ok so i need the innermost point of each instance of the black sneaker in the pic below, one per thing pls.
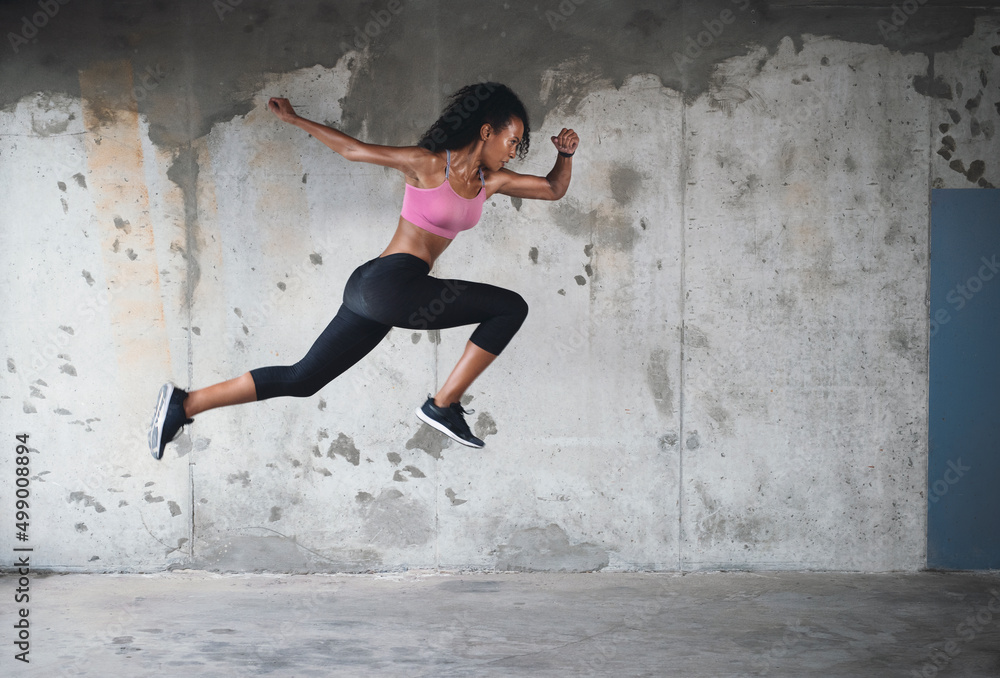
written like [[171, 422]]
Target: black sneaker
[[168, 419], [449, 420]]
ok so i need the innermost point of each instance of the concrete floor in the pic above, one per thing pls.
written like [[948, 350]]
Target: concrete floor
[[437, 624]]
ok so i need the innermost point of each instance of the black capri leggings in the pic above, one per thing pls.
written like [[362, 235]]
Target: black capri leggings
[[394, 291]]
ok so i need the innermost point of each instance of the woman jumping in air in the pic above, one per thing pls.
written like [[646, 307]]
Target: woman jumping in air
[[458, 163]]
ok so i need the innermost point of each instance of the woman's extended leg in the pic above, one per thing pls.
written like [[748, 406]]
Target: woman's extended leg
[[346, 340]]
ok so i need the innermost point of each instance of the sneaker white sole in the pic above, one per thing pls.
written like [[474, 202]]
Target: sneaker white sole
[[159, 417], [444, 429]]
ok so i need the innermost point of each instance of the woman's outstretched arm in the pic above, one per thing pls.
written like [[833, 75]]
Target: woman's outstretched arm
[[407, 159], [550, 187]]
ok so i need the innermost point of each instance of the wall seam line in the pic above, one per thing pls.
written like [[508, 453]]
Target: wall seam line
[[927, 305], [189, 297], [190, 216], [683, 308]]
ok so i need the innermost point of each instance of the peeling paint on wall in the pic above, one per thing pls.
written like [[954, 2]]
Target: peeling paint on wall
[[548, 549], [344, 447], [429, 440]]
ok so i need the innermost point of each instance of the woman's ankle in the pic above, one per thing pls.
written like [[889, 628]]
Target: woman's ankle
[[438, 400]]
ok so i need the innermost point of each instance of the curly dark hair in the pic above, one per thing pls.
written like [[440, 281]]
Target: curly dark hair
[[469, 109]]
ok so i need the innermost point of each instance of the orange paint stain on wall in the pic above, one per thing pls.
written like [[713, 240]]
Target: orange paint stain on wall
[[117, 183]]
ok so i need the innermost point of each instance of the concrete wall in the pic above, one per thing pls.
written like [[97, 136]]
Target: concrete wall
[[725, 362]]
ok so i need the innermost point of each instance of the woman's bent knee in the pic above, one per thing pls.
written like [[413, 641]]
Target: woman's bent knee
[[519, 307]]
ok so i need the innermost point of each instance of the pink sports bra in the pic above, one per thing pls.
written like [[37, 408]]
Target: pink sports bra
[[440, 210]]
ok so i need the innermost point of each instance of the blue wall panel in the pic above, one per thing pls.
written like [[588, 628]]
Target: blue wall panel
[[963, 482]]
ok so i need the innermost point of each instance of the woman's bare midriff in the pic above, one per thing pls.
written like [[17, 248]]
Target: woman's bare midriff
[[412, 239]]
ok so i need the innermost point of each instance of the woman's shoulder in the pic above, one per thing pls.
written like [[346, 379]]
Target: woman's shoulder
[[427, 167]]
